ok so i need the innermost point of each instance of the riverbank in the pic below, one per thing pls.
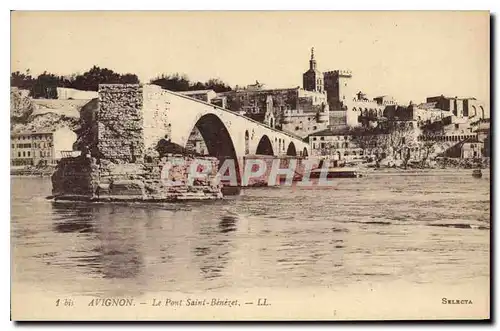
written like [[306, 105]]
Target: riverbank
[[420, 170]]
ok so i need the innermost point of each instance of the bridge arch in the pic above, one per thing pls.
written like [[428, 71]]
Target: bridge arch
[[264, 147], [291, 151], [217, 139]]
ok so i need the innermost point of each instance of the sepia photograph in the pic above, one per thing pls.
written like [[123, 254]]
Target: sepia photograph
[[250, 165]]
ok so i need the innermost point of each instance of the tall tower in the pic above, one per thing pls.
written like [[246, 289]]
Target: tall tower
[[337, 87], [312, 79]]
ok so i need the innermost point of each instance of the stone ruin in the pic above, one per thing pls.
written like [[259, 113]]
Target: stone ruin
[[118, 162]]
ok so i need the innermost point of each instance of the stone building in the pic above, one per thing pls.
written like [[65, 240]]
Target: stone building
[[345, 107], [385, 100], [267, 117], [470, 148], [209, 96], [357, 111], [360, 110], [335, 144], [203, 95], [294, 110], [41, 148], [461, 107], [64, 93]]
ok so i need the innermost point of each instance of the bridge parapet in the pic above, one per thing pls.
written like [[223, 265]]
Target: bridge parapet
[[133, 119]]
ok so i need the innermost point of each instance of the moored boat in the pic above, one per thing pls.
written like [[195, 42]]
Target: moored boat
[[340, 172], [476, 173]]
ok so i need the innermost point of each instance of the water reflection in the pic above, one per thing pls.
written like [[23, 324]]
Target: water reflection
[[118, 241], [213, 246], [266, 238], [227, 224], [73, 217], [132, 242]]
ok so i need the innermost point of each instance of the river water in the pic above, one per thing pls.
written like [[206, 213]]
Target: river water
[[423, 228]]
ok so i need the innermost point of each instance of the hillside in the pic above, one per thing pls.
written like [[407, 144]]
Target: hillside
[[43, 114]]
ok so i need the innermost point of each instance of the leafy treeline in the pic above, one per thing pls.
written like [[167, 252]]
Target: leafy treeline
[[45, 84], [181, 82]]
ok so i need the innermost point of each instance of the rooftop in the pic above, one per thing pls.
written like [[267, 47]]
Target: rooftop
[[452, 97], [196, 92], [332, 132], [427, 105], [25, 133]]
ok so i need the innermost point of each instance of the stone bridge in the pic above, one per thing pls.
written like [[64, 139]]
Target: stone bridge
[[151, 114]]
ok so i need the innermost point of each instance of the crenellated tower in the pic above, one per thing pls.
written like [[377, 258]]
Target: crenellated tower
[[337, 87]]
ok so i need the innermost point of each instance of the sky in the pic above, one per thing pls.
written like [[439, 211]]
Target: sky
[[408, 55]]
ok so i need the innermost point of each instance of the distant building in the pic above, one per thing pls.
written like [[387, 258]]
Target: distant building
[[470, 148], [362, 111], [335, 144], [385, 100], [203, 95], [294, 110], [453, 130], [64, 93], [266, 117], [482, 129], [40, 148], [461, 107], [209, 96]]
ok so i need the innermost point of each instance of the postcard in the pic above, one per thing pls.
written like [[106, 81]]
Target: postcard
[[250, 166]]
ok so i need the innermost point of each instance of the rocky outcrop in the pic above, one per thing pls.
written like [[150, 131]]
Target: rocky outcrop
[[21, 106], [29, 114], [45, 122]]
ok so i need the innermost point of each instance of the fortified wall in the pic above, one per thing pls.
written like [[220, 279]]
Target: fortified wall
[[119, 160]]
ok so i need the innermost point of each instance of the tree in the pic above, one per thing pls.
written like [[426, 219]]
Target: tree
[[90, 80], [428, 139], [399, 136], [21, 80], [45, 86], [175, 82], [328, 149], [217, 85], [180, 82], [365, 138]]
